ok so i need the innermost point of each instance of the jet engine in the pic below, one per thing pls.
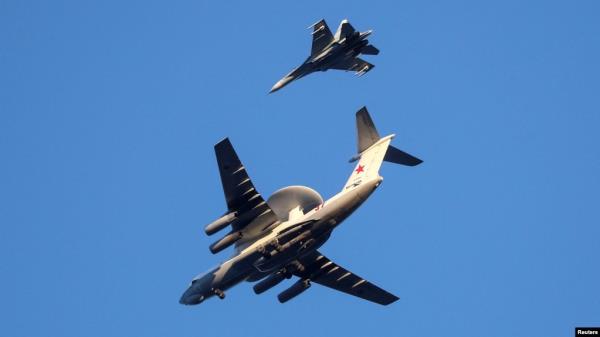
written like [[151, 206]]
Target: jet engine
[[225, 242], [293, 200], [293, 291], [269, 282], [220, 223]]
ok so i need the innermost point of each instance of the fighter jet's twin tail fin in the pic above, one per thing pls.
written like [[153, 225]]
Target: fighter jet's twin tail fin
[[373, 150], [344, 30]]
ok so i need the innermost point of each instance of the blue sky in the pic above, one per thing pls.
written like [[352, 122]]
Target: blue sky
[[109, 112]]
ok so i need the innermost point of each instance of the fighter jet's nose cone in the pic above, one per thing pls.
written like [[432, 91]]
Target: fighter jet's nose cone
[[277, 86], [282, 83]]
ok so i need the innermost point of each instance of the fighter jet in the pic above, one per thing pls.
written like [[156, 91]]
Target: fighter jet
[[333, 52], [279, 238]]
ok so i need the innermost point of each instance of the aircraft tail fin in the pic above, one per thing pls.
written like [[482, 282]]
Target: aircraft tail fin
[[373, 150], [344, 30], [366, 130]]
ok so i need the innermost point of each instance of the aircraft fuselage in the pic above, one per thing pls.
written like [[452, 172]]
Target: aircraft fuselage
[[338, 52], [281, 246]]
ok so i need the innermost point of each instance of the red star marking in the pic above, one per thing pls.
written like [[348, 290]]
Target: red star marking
[[360, 169]]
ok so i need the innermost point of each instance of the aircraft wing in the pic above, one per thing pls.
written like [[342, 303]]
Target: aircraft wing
[[321, 270], [322, 36], [354, 64], [240, 194]]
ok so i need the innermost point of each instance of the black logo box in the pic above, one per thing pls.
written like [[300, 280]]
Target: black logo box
[[587, 332]]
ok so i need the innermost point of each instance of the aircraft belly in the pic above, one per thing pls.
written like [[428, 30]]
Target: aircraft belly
[[234, 271], [257, 275], [276, 262]]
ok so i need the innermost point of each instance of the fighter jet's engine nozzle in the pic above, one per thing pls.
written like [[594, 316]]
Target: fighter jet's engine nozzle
[[269, 282], [220, 223], [225, 242], [293, 291]]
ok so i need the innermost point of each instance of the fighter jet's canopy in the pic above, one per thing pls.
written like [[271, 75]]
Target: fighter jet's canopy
[[288, 198]]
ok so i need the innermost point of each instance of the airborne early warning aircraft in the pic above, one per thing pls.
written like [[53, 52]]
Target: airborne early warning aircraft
[[333, 52], [278, 238]]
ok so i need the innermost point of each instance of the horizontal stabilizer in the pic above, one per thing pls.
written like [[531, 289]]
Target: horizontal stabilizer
[[394, 155], [369, 50]]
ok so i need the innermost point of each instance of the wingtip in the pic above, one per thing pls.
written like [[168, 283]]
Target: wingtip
[[396, 298], [316, 23], [389, 300], [222, 141]]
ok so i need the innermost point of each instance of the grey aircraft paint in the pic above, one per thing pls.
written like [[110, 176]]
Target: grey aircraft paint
[[278, 238], [339, 51]]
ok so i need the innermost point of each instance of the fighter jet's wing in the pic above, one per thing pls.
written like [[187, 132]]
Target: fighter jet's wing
[[355, 64], [322, 36], [240, 194], [321, 270]]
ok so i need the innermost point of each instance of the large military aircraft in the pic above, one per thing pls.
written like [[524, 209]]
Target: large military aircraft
[[333, 52], [278, 238]]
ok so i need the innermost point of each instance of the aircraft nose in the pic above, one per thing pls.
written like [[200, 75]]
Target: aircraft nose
[[281, 83], [183, 299], [191, 298], [277, 86]]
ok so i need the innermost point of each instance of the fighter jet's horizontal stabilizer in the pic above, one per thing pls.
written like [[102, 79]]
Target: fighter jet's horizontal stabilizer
[[368, 136], [370, 50]]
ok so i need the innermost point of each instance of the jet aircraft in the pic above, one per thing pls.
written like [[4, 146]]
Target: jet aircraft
[[279, 238], [333, 52]]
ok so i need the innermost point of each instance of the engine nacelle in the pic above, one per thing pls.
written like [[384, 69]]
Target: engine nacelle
[[293, 291], [220, 223], [225, 242], [268, 283]]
